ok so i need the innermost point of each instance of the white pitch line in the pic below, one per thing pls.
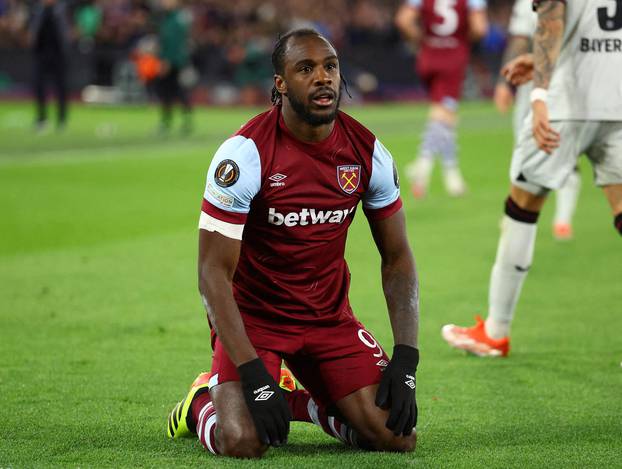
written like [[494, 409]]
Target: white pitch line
[[72, 156]]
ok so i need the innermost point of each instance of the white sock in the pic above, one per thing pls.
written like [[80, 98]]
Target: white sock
[[566, 199], [206, 428], [514, 256], [420, 170]]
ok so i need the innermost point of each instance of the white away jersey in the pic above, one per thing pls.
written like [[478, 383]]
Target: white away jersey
[[524, 20], [587, 81]]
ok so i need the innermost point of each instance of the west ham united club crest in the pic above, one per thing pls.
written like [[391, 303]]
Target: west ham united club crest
[[349, 177]]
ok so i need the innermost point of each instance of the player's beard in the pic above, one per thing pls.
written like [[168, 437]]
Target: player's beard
[[309, 116]]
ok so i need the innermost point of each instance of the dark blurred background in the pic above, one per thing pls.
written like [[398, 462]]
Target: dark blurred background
[[230, 41]]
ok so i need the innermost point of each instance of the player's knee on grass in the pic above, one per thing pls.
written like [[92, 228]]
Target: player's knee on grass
[[239, 441], [369, 422], [235, 432], [381, 438], [402, 444]]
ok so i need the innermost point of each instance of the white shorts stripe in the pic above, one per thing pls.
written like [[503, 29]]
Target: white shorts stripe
[[230, 230]]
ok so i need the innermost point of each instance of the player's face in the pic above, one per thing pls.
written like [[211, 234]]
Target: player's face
[[312, 78]]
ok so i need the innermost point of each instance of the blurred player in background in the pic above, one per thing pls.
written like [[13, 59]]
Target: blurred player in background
[[443, 30], [49, 36], [576, 108], [521, 28], [174, 53], [280, 197]]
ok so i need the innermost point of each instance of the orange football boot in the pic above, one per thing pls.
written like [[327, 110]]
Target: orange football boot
[[475, 340], [287, 381], [562, 231]]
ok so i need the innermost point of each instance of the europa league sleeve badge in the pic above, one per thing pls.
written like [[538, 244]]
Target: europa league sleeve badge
[[227, 173]]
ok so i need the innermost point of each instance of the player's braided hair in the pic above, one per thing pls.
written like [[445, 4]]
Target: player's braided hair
[[278, 58]]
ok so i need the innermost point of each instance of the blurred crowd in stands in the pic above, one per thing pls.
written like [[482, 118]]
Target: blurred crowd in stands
[[231, 42]]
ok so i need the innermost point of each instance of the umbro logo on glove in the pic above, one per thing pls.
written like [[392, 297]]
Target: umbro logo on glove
[[264, 395], [268, 407], [392, 395]]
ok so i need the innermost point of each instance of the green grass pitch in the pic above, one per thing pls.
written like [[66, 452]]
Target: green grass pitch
[[102, 329]]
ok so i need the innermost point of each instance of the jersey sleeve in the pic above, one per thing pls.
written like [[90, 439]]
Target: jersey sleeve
[[233, 180], [523, 21], [382, 198], [476, 4]]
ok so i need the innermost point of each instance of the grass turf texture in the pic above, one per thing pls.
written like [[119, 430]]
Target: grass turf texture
[[102, 329]]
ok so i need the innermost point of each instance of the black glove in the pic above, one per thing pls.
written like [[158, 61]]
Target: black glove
[[266, 403], [397, 390]]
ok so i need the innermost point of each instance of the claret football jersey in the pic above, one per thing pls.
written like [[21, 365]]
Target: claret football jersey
[[291, 203], [446, 24]]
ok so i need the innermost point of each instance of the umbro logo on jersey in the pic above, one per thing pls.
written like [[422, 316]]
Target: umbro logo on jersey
[[410, 382], [227, 173], [308, 216], [349, 177], [382, 363], [277, 180]]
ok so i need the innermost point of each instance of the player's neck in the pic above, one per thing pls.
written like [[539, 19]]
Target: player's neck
[[302, 130]]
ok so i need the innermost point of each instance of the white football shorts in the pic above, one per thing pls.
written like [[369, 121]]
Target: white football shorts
[[537, 172]]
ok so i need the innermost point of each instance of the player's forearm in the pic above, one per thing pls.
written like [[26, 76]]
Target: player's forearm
[[224, 315], [517, 45], [406, 22], [547, 40], [401, 290]]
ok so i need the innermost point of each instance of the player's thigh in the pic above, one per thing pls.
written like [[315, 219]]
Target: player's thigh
[[537, 172], [341, 367], [337, 360], [369, 421], [448, 87], [224, 370]]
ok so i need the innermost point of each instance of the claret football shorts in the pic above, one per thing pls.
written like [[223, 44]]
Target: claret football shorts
[[330, 361], [443, 79]]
